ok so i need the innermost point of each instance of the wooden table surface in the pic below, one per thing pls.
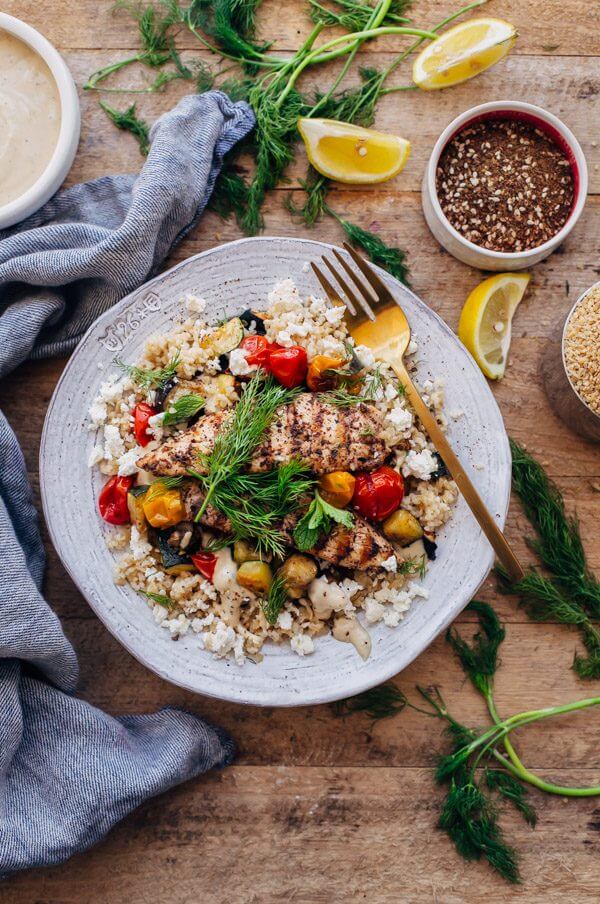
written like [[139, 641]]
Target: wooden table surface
[[317, 809]]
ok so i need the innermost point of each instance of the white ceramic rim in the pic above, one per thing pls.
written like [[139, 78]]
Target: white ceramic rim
[[68, 136], [510, 106], [383, 669], [595, 285]]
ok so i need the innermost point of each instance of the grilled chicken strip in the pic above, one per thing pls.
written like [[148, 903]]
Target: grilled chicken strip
[[326, 437], [361, 547]]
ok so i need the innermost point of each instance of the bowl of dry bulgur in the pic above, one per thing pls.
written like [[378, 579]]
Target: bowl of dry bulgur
[[571, 367]]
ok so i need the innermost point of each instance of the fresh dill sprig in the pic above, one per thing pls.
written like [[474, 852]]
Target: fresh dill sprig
[[183, 409], [253, 503], [558, 543], [129, 121], [342, 398], [512, 790], [353, 15], [389, 257], [572, 596], [378, 702], [275, 600], [230, 195], [151, 378]]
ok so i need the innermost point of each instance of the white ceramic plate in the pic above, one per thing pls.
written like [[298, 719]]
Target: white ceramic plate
[[231, 278]]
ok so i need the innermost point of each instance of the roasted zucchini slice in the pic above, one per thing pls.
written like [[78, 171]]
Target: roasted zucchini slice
[[135, 504], [227, 337]]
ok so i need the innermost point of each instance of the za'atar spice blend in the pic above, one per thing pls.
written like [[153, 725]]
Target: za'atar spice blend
[[505, 185]]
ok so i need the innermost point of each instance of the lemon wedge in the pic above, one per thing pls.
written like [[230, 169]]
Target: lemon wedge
[[486, 318], [348, 153], [462, 52]]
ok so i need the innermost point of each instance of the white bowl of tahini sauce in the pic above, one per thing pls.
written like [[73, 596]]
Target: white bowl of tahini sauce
[[39, 120]]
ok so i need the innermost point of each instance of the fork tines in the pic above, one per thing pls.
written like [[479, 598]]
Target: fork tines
[[370, 290]]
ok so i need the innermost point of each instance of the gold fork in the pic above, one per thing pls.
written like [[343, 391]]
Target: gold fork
[[376, 320]]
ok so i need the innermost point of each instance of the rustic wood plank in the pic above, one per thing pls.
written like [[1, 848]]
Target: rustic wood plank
[[571, 89], [535, 672], [312, 836], [545, 26]]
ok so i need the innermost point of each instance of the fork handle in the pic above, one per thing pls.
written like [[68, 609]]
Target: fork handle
[[497, 539]]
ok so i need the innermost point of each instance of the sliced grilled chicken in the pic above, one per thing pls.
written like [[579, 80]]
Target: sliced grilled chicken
[[326, 437], [362, 547]]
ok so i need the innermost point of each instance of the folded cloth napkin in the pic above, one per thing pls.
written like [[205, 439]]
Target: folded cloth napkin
[[68, 772]]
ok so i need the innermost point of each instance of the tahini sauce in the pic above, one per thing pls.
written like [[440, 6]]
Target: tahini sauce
[[29, 117]]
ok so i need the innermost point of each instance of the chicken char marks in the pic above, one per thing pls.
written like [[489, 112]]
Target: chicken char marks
[[361, 547], [326, 437]]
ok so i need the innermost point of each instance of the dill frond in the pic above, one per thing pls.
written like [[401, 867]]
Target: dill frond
[[558, 543], [509, 787], [275, 601], [129, 121], [147, 378], [380, 702], [480, 658], [389, 257]]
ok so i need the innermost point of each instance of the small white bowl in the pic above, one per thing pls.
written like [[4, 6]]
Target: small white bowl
[[451, 239], [68, 137]]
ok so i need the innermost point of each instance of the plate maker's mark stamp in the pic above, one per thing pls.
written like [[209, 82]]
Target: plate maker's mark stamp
[[117, 334]]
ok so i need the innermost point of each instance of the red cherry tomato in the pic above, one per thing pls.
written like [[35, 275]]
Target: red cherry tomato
[[379, 493], [141, 415], [289, 366], [205, 563], [258, 350], [112, 501]]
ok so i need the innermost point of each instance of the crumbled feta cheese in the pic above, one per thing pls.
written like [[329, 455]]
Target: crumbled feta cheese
[[455, 415], [113, 444], [98, 413], [335, 315], [412, 347], [391, 392], [392, 618], [111, 392], [127, 462], [390, 564], [194, 304], [139, 546], [302, 644], [199, 623], [401, 418], [221, 641], [365, 356], [284, 620], [419, 464], [374, 611], [96, 455], [415, 590], [177, 626], [238, 365], [479, 466], [154, 426]]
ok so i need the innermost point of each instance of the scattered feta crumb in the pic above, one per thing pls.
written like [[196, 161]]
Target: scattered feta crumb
[[113, 443], [139, 546], [127, 462], [390, 564], [96, 455], [401, 418], [365, 356], [479, 466], [284, 621], [419, 464], [412, 347], [455, 415], [194, 304], [98, 413], [238, 365], [302, 644]]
